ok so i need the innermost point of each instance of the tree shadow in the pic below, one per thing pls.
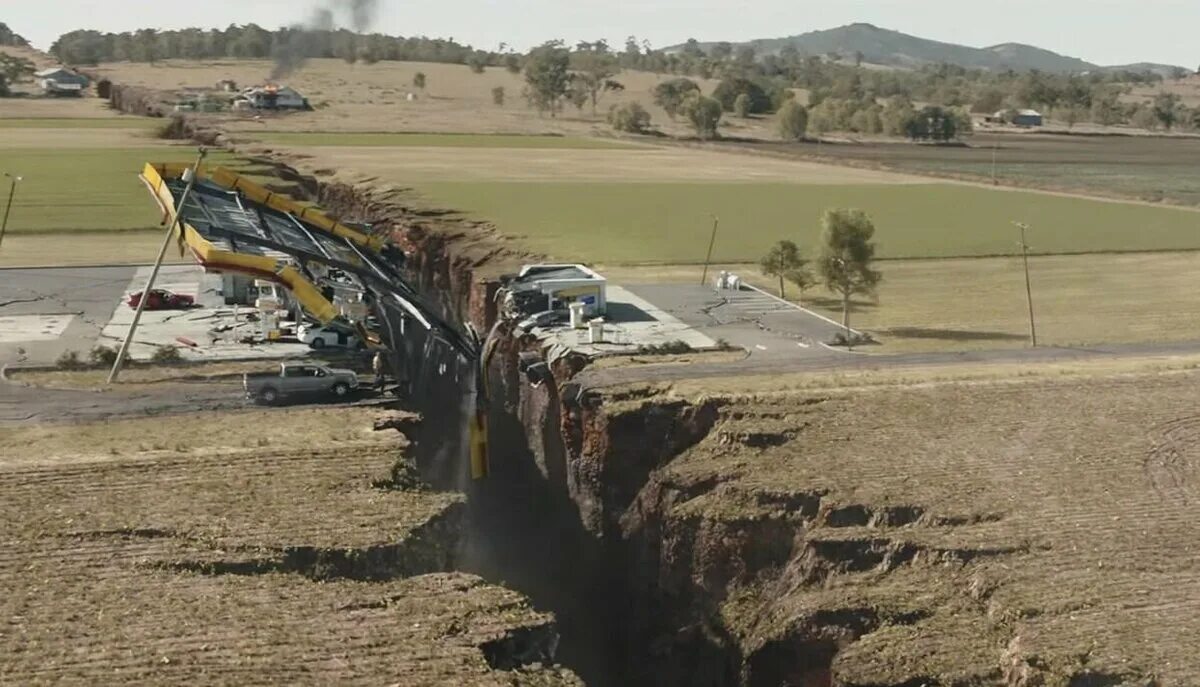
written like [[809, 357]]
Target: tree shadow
[[834, 303], [950, 334]]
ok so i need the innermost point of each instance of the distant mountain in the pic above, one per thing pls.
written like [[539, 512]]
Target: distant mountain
[[1020, 57], [896, 49]]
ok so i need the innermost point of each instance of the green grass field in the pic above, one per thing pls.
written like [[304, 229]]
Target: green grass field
[[671, 222], [439, 140], [88, 189], [81, 123]]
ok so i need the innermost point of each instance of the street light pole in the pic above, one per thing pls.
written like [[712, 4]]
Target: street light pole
[[711, 242], [190, 176], [12, 191], [1028, 288]]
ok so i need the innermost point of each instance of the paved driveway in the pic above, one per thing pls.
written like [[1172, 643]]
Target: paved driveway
[[756, 321]]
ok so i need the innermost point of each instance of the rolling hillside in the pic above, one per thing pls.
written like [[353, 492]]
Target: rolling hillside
[[893, 48]]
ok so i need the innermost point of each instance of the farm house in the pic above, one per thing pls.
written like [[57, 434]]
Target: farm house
[[275, 98], [61, 81]]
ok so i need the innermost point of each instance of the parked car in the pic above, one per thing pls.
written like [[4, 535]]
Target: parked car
[[299, 380], [319, 336], [161, 299]]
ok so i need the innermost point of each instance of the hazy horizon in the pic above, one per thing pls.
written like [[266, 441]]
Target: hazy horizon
[[1106, 33]]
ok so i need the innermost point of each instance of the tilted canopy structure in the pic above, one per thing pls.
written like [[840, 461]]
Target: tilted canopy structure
[[231, 224]]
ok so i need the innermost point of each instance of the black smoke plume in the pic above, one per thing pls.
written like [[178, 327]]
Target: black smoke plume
[[311, 38]]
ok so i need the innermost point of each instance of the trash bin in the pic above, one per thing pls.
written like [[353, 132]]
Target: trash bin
[[596, 330]]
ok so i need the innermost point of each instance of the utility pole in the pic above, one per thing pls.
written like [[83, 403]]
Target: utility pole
[[995, 145], [190, 176], [12, 191], [711, 242], [1028, 288]]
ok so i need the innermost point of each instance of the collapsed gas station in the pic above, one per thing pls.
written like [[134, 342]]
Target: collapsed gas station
[[232, 225]]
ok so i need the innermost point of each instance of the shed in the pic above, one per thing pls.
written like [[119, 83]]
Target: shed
[[61, 81]]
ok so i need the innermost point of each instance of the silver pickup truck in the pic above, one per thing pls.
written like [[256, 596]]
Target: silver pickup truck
[[295, 380]]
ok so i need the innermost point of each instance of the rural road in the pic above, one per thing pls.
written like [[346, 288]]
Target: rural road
[[22, 404]]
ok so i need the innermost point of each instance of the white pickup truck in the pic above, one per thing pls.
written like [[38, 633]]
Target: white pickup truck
[[296, 380]]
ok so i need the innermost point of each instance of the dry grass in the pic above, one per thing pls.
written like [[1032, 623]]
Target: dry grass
[[57, 108], [371, 98], [232, 547], [642, 163], [979, 303], [240, 432], [1048, 525], [138, 375], [922, 376]]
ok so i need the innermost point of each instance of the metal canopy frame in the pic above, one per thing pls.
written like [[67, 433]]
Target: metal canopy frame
[[220, 215]]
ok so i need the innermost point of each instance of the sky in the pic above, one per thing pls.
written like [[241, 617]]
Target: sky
[[1099, 31]]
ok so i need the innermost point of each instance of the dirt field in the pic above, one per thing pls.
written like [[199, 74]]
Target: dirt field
[[1137, 167], [260, 545], [961, 534]]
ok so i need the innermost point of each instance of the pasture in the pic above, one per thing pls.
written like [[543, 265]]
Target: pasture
[[67, 189], [670, 222]]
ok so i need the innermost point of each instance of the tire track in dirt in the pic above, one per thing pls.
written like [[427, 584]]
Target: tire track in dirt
[[1170, 464]]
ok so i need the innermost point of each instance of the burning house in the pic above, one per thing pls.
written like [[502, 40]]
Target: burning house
[[272, 97]]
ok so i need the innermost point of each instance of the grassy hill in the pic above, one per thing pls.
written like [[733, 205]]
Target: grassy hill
[[896, 49]]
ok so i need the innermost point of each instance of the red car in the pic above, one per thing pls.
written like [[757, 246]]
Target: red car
[[163, 300]]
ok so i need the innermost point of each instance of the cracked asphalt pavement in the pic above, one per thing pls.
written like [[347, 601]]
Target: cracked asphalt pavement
[[46, 311]]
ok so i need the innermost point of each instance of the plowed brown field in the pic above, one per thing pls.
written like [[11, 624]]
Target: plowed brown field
[[126, 560], [1039, 533]]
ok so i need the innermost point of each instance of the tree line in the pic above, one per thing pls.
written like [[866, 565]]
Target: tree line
[[1072, 98], [843, 95], [251, 41]]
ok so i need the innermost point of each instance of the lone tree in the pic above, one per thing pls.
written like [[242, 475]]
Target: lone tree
[[793, 121], [547, 76], [594, 68], [671, 95], [498, 96], [704, 114], [847, 253], [419, 81], [786, 263]]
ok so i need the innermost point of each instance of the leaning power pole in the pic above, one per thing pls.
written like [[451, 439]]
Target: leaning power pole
[[1028, 288], [190, 176], [12, 191]]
